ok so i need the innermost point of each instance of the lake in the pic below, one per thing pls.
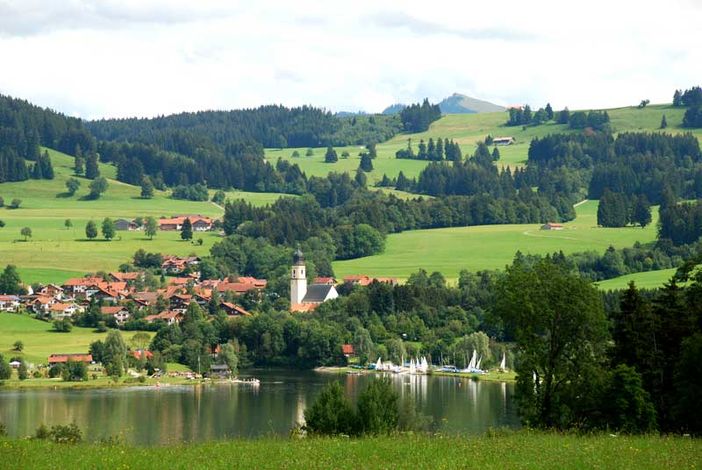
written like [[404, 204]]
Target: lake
[[150, 416]]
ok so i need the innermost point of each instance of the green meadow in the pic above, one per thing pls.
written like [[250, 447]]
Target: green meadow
[[55, 253], [40, 340], [450, 250], [522, 450], [645, 280], [468, 130]]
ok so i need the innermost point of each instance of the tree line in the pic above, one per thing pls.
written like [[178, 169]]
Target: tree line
[[432, 150]]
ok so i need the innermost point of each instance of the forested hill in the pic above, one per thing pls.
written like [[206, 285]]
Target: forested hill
[[271, 126], [24, 127]]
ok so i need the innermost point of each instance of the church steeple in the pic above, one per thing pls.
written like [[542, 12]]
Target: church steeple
[[298, 278]]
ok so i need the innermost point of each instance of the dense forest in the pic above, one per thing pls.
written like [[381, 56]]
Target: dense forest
[[270, 126]]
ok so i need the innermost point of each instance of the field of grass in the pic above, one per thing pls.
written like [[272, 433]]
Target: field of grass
[[645, 280], [449, 250], [40, 340], [468, 130], [55, 253], [524, 450]]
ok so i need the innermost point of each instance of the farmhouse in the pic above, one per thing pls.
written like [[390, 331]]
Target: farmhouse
[[177, 265], [363, 280], [552, 226], [503, 140], [168, 316], [304, 298], [124, 224], [63, 358], [60, 311], [199, 223]]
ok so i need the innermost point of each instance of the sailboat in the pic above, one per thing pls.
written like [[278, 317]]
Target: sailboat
[[412, 367], [379, 364], [503, 363]]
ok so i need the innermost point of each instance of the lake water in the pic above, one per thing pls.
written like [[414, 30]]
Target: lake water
[[150, 416]]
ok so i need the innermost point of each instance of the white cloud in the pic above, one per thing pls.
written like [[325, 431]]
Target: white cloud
[[123, 58]]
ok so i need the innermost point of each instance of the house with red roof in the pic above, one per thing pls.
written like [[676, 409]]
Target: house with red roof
[[168, 316], [63, 358], [118, 312], [233, 310], [9, 303], [60, 311]]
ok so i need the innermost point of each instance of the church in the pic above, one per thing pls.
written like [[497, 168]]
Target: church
[[304, 298]]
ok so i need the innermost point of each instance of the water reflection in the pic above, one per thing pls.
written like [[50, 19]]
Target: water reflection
[[150, 416]]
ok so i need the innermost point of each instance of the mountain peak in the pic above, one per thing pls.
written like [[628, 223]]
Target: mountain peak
[[457, 103]]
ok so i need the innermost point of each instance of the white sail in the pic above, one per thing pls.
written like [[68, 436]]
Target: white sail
[[412, 367], [477, 364], [425, 365], [379, 364], [471, 364], [503, 363]]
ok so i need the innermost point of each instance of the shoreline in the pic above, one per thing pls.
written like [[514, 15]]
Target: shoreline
[[508, 377]]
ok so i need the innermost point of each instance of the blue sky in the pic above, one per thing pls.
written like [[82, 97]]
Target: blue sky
[[146, 58]]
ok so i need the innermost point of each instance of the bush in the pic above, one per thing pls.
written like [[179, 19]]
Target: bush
[[74, 372], [378, 411], [63, 326], [65, 434], [331, 413], [42, 432], [3, 430], [56, 371], [22, 372]]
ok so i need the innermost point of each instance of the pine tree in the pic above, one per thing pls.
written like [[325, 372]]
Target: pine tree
[[91, 167], [664, 122], [495, 154], [677, 98], [549, 111], [330, 156], [147, 188], [79, 163], [642, 211], [186, 232], [366, 163]]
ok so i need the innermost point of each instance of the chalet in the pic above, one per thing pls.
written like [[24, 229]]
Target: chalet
[[9, 303], [503, 141], [180, 302], [145, 298], [118, 312], [63, 358], [168, 316], [552, 226], [347, 350], [176, 265], [41, 304], [241, 285], [59, 311], [233, 309]]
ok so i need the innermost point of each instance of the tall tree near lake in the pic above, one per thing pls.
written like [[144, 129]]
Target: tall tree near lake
[[91, 167], [114, 356], [559, 324], [186, 232], [91, 230], [150, 227], [108, 229]]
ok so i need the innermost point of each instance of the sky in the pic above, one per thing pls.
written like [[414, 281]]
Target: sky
[[121, 58]]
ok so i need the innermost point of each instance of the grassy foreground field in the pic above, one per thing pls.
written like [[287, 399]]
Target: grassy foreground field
[[519, 450], [449, 250], [468, 130], [55, 253]]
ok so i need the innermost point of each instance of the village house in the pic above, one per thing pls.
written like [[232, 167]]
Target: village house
[[176, 265], [64, 358], [51, 290], [119, 313], [78, 286], [61, 311], [127, 277], [9, 303], [347, 350], [41, 304], [304, 298]]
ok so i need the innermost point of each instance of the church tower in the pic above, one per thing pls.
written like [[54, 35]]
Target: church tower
[[298, 279]]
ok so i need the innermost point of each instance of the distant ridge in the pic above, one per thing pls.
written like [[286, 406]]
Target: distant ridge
[[456, 104]]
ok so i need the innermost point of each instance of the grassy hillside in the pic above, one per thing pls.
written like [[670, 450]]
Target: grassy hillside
[[449, 250], [55, 253], [468, 130], [522, 450], [40, 340]]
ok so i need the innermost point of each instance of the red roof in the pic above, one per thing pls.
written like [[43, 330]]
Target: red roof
[[139, 352], [230, 307], [347, 349], [60, 358], [111, 310], [324, 280]]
